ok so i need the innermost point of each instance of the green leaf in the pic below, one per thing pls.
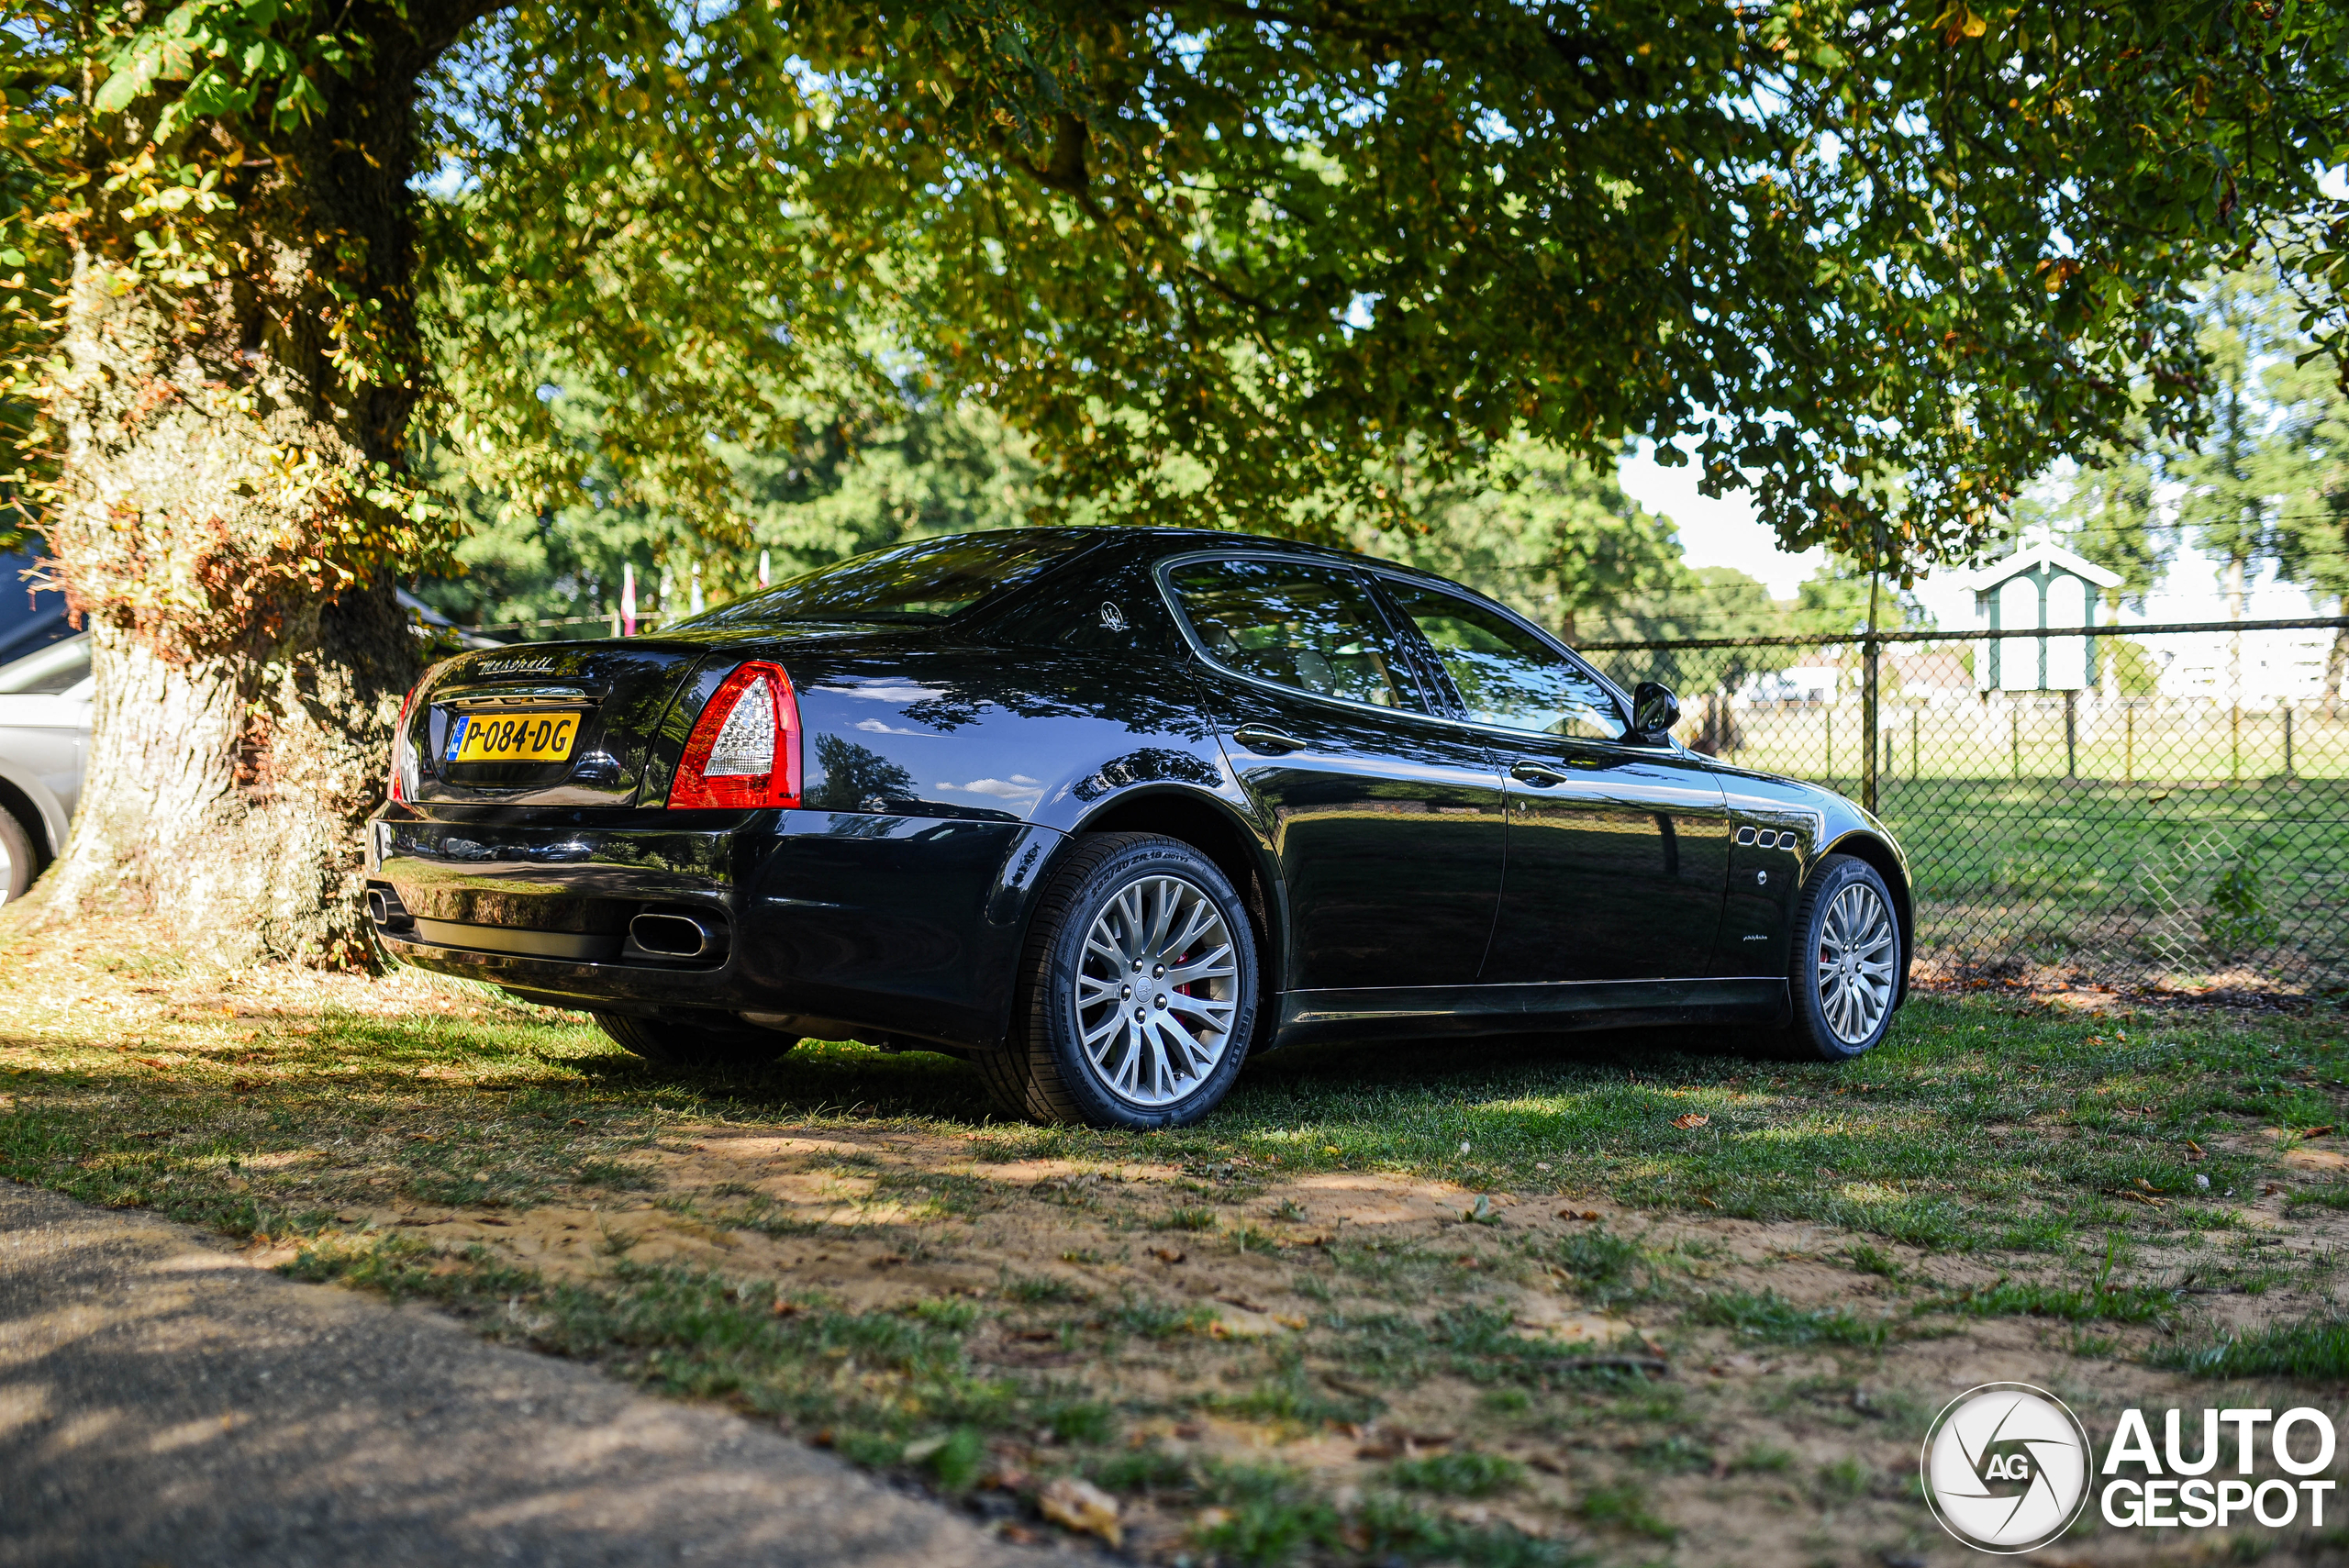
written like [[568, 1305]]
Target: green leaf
[[300, 101]]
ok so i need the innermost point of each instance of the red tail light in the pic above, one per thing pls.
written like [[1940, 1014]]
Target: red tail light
[[402, 753], [744, 749]]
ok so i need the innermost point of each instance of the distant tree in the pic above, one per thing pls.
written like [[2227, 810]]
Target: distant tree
[[1550, 535], [2312, 439], [2106, 511], [857, 476]]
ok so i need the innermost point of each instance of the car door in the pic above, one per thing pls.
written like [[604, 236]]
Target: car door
[[1386, 820], [1618, 854]]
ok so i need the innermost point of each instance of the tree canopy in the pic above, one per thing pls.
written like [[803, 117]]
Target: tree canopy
[[269, 266], [1234, 265]]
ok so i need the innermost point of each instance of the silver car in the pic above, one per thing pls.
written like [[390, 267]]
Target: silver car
[[44, 746]]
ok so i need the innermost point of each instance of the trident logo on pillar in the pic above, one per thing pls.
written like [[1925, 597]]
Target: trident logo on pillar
[[2007, 1467]]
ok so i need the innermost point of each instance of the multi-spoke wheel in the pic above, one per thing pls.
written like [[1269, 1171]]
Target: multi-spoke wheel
[[1848, 960], [1139, 989], [1156, 990]]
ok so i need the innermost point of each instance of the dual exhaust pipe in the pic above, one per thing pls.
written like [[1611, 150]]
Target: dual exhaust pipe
[[674, 934]]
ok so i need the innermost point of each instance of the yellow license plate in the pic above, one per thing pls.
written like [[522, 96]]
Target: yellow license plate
[[513, 737]]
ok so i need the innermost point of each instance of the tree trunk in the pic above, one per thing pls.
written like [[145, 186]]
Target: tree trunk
[[2334, 662], [2234, 638], [226, 441]]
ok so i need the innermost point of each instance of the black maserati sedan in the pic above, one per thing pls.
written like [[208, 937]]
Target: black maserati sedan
[[1106, 811]]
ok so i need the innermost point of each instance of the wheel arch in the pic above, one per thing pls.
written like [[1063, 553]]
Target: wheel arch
[[38, 810], [1886, 862], [1211, 826]]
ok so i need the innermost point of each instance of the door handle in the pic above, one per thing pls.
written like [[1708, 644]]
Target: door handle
[[1266, 740], [1541, 775]]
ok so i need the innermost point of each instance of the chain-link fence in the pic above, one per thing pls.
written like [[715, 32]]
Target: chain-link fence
[[2122, 803]]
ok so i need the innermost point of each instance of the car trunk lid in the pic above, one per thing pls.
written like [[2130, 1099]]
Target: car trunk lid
[[562, 724]]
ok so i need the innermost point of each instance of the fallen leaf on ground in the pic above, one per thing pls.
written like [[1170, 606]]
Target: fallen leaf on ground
[[1082, 1507], [1167, 1255], [1691, 1120], [1578, 1214], [1239, 1323]]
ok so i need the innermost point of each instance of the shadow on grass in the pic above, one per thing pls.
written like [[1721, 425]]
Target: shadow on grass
[[821, 1078]]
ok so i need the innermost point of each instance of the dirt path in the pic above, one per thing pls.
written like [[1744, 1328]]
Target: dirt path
[[162, 1400]]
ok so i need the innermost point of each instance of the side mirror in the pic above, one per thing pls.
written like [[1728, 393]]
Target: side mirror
[[1654, 710]]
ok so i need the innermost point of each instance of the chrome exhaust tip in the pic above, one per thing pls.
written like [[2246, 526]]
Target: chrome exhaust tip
[[673, 935], [379, 908]]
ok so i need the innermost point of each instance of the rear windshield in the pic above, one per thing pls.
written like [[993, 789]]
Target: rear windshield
[[917, 583]]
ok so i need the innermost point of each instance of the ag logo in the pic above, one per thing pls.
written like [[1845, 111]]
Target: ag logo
[[2006, 1467]]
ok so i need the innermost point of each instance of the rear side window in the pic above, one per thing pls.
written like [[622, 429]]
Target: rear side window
[[1297, 624], [1508, 677], [918, 583]]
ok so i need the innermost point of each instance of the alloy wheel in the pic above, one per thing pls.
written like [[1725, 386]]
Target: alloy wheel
[[1157, 990], [1859, 946]]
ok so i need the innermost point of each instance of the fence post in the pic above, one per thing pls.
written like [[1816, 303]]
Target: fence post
[[2287, 740], [1912, 744], [2071, 736], [1830, 744], [2129, 740], [2014, 735], [2234, 744], [1868, 725]]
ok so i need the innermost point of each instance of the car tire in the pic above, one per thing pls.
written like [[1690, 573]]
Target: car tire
[[1847, 963], [667, 1043], [23, 861], [1129, 910]]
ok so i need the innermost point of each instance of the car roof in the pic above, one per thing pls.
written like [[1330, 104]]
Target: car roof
[[1171, 540]]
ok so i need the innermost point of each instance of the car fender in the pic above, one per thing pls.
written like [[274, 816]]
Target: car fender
[[21, 790], [1867, 839], [1215, 822]]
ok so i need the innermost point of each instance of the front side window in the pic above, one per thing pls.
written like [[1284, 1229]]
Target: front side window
[[918, 583], [1508, 677], [1296, 623]]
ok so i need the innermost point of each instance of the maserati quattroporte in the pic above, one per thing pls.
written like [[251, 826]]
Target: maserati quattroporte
[[1106, 811]]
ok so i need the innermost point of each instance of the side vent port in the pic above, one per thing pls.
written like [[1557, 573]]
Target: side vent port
[[676, 936], [383, 907]]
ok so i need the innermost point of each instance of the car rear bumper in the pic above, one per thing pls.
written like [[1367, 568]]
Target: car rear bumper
[[904, 927]]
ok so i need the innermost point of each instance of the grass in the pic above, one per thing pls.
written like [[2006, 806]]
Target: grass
[[1767, 1317], [2048, 1160], [1467, 1473], [2312, 1351]]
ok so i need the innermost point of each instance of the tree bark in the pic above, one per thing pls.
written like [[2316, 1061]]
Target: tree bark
[[220, 437]]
